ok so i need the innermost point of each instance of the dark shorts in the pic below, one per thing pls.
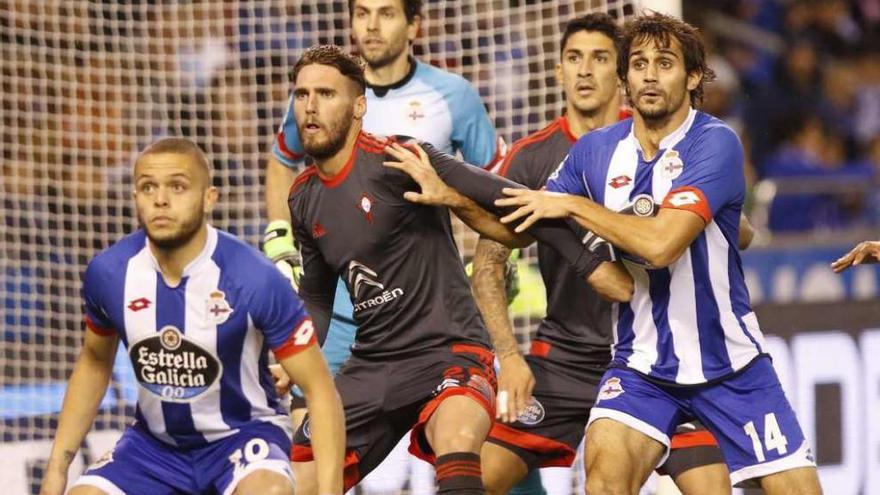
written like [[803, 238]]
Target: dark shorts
[[550, 431], [385, 399]]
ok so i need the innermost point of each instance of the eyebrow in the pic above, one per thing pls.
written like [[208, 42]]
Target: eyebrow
[[175, 175], [662, 51]]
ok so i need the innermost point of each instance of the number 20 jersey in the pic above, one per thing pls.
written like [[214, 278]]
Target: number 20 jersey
[[199, 350]]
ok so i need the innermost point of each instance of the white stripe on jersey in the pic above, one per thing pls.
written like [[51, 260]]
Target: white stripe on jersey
[[141, 280], [682, 317], [206, 412], [624, 162], [645, 340], [717, 247]]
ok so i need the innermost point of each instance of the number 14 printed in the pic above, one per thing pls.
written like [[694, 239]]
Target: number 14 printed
[[773, 437]]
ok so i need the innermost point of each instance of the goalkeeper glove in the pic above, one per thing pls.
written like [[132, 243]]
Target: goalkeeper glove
[[278, 246], [511, 275]]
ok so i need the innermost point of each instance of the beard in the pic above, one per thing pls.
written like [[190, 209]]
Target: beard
[[384, 57], [337, 132], [187, 229], [655, 115]]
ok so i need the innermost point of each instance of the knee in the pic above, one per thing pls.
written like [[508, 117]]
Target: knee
[[304, 479], [461, 438]]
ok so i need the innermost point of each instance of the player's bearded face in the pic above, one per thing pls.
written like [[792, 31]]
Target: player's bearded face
[[588, 72], [170, 200], [657, 82], [332, 129], [380, 31]]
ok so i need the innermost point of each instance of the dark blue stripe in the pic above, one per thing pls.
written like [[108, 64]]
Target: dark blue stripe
[[713, 351], [739, 293], [623, 347], [234, 406], [658, 286], [171, 310]]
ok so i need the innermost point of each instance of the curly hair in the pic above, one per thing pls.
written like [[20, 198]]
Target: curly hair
[[662, 29], [411, 8]]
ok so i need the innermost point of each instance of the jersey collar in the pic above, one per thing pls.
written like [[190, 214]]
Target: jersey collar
[[381, 91], [673, 137], [193, 266], [566, 129]]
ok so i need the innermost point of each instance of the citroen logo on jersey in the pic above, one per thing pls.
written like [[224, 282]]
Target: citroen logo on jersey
[[360, 278], [359, 275]]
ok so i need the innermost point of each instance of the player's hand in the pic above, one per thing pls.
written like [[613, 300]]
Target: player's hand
[[418, 166], [865, 252], [282, 381], [278, 246], [54, 481], [515, 385], [532, 206]]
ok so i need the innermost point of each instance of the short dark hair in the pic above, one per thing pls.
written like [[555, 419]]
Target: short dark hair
[[596, 22], [181, 146], [661, 28], [350, 66], [411, 9]]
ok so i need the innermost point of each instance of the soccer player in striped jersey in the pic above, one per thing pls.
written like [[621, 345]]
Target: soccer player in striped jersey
[[688, 345], [198, 310], [545, 424]]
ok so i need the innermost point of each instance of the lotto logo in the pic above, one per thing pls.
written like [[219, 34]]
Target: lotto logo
[[684, 198]]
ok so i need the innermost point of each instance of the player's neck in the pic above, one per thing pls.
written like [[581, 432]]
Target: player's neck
[[650, 132], [389, 74], [329, 167], [172, 261], [580, 123]]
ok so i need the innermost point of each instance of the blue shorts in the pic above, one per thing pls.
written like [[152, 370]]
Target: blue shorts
[[748, 414], [139, 463]]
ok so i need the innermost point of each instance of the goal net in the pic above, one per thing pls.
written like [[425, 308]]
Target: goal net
[[85, 84]]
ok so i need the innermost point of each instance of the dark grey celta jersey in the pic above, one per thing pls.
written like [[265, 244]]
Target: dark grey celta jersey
[[578, 322], [398, 259]]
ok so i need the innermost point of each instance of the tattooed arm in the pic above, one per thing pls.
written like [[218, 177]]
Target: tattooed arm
[[515, 381]]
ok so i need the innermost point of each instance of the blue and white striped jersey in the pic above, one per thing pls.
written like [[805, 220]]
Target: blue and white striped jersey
[[690, 322], [199, 350], [429, 104]]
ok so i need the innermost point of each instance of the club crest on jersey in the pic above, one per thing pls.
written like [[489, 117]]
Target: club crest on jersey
[[318, 231], [366, 205], [139, 304], [671, 165], [105, 459], [218, 308], [610, 389], [172, 367], [415, 111], [532, 414]]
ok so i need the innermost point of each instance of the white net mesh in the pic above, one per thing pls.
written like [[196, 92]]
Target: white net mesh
[[85, 84]]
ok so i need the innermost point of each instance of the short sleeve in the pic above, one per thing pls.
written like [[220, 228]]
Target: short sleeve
[[279, 313], [711, 174], [568, 177], [517, 168], [287, 147], [94, 283], [472, 131]]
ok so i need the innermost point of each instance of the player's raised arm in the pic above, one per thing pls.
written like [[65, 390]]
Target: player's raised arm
[[484, 188], [85, 389]]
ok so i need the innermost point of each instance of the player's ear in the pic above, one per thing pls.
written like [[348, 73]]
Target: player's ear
[[413, 28], [693, 80], [360, 106], [558, 73], [211, 196]]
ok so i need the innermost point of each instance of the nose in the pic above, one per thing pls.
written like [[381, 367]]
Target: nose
[[373, 22], [161, 196], [312, 103], [651, 72], [586, 67]]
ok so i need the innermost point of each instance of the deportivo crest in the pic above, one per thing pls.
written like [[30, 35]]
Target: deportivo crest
[[532, 414], [218, 308], [172, 367], [610, 389], [671, 165], [366, 206], [105, 459], [415, 111]]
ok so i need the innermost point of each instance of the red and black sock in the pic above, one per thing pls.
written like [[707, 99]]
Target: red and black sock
[[459, 473]]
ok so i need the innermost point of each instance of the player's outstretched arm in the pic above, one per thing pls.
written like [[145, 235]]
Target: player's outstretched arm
[[659, 240], [515, 381], [327, 422], [746, 233], [85, 389], [612, 282], [279, 177], [863, 253]]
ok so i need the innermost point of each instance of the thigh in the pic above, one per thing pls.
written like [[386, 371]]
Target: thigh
[[754, 424], [549, 431], [692, 446], [140, 464], [617, 457], [228, 462], [502, 468], [461, 370]]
